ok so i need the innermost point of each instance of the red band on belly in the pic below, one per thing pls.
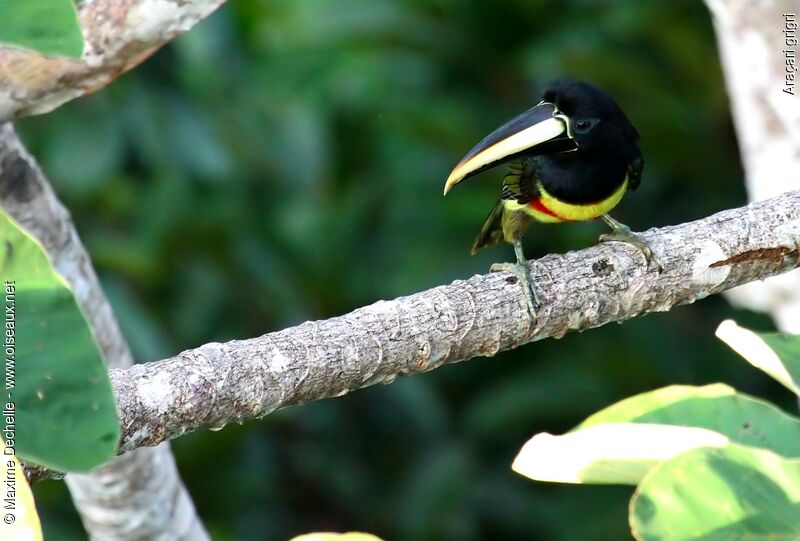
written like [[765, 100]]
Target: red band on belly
[[539, 206]]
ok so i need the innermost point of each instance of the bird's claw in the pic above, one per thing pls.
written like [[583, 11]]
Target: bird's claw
[[522, 272], [629, 237]]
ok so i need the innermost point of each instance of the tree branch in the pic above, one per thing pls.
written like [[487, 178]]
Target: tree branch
[[119, 35], [215, 384], [752, 48], [139, 495]]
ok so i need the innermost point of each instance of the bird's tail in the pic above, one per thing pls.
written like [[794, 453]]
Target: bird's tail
[[492, 230]]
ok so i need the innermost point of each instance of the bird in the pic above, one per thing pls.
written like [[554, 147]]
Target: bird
[[572, 157]]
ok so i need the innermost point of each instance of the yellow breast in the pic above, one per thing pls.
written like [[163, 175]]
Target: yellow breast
[[549, 209]]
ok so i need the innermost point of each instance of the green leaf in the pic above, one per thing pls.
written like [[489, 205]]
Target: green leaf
[[328, 536], [776, 354], [608, 454], [621, 443], [49, 27], [719, 494], [741, 418], [66, 415]]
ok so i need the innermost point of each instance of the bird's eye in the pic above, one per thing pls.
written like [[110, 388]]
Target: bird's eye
[[584, 125]]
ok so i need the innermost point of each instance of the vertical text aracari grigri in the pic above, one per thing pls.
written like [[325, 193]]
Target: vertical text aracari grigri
[[790, 51]]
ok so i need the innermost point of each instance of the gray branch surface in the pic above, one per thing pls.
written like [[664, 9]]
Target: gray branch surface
[[752, 46], [219, 383], [138, 495], [118, 35]]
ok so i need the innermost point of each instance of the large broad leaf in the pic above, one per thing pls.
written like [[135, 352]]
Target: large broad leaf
[[718, 407], [622, 442], [66, 415], [608, 454], [723, 494], [49, 27], [776, 354]]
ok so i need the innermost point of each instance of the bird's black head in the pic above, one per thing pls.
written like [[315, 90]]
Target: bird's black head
[[596, 123], [575, 122]]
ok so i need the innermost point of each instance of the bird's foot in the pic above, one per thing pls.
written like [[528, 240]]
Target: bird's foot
[[624, 234], [523, 274]]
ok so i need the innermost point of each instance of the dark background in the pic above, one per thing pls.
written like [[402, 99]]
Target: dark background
[[284, 161]]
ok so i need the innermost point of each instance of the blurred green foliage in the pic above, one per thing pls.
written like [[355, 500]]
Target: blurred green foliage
[[284, 161]]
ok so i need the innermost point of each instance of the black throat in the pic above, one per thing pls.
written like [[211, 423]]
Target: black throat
[[575, 178]]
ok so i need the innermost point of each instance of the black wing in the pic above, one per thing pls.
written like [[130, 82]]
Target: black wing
[[520, 182], [635, 169]]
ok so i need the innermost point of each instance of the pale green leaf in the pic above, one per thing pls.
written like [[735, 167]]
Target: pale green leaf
[[739, 417], [609, 447], [328, 536], [50, 27], [776, 354], [611, 453], [22, 522], [733, 493]]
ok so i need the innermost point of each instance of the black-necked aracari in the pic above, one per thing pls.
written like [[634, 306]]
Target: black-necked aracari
[[573, 156]]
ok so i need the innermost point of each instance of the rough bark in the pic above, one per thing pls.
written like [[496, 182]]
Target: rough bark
[[215, 384], [753, 45], [139, 495], [117, 501], [119, 34]]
